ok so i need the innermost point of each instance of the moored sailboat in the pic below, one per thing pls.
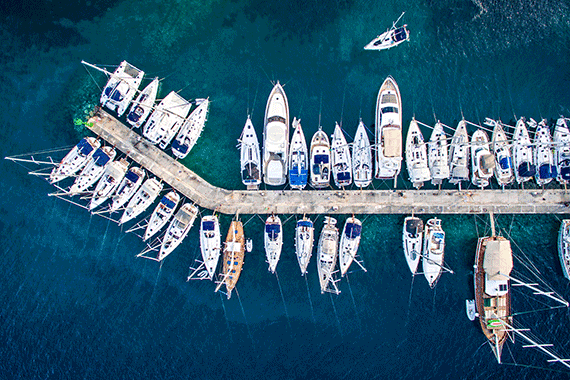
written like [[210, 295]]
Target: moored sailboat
[[191, 129], [128, 187], [142, 199], [349, 242], [543, 154], [561, 139], [388, 130], [433, 251], [327, 252], [304, 238], [250, 159], [75, 159], [416, 156], [166, 119], [502, 153], [177, 230], [234, 253], [276, 137], [523, 158], [298, 158], [109, 182], [482, 161], [121, 87], [437, 155], [273, 239], [210, 243], [161, 214], [361, 157], [93, 170], [143, 104], [459, 155], [564, 247], [412, 237], [341, 162], [320, 160]]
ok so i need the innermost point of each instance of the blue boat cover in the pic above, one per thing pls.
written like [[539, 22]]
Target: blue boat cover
[[304, 223], [505, 163], [208, 225], [547, 171], [182, 148], [135, 114], [117, 96], [400, 34], [133, 177], [527, 170], [321, 159], [565, 173], [298, 179], [438, 236], [353, 230], [272, 229], [343, 176], [100, 157], [84, 147], [167, 202]]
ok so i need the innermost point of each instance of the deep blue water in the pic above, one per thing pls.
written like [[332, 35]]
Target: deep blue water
[[75, 303]]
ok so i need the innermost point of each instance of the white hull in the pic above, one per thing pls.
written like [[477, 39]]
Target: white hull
[[166, 119], [389, 39], [191, 130], [543, 155], [523, 159], [210, 243], [482, 161], [416, 156], [361, 157], [298, 158], [142, 199], [503, 157], [459, 155], [341, 162], [109, 182], [178, 229], [143, 104], [561, 140], [121, 87], [349, 242], [75, 159], [161, 214], [304, 240], [127, 188], [327, 252], [273, 239], [94, 169], [433, 251], [250, 159], [276, 138], [320, 160], [437, 155], [412, 237], [564, 247], [388, 130]]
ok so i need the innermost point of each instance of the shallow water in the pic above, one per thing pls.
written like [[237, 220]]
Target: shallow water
[[76, 302]]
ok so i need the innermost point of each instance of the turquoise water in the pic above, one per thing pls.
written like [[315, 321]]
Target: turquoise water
[[76, 302]]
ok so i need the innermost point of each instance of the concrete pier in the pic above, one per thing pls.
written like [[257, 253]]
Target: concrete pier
[[195, 188]]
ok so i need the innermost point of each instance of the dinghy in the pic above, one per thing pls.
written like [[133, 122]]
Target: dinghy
[[276, 138], [437, 155], [75, 159], [143, 104], [250, 159], [93, 170], [349, 242], [361, 157], [191, 130], [416, 156], [161, 214], [273, 238], [459, 155], [388, 130], [341, 162], [304, 237], [320, 160], [298, 158], [523, 159]]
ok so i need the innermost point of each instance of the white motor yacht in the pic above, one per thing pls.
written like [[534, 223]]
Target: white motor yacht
[[544, 155], [561, 139], [564, 247], [388, 130], [276, 138], [503, 157]]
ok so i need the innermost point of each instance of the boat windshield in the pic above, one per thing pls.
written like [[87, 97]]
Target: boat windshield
[[400, 34]]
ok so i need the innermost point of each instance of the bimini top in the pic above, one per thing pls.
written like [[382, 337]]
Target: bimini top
[[498, 258], [414, 226], [305, 223], [299, 178], [84, 147], [321, 159], [167, 202], [132, 176], [353, 230], [545, 171], [208, 225], [101, 158]]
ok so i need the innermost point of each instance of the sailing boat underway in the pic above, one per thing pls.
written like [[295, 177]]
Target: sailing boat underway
[[390, 38], [273, 241], [304, 236], [320, 160], [341, 162], [276, 138], [361, 157], [388, 130], [298, 158], [416, 156], [250, 162], [327, 252]]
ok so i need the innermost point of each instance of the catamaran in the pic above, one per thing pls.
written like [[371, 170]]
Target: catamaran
[[178, 229], [298, 158], [412, 237], [433, 251], [564, 247], [276, 138], [75, 159], [561, 140], [361, 157], [482, 161], [142, 105], [320, 160], [349, 242], [166, 119], [390, 38], [327, 251], [191, 129], [437, 155], [543, 155], [459, 155], [523, 160], [416, 156], [341, 162], [109, 182], [388, 130], [128, 187], [210, 243], [94, 169], [121, 87], [273, 239], [161, 214], [142, 199], [502, 153], [250, 161], [304, 237], [234, 252]]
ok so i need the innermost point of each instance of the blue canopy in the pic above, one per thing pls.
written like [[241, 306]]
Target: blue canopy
[[182, 148], [135, 114], [167, 202], [304, 223], [101, 158], [298, 179], [84, 147], [117, 96], [505, 163], [527, 170], [547, 171], [343, 176], [208, 225], [321, 159], [438, 236], [565, 173], [272, 229], [133, 177], [353, 230]]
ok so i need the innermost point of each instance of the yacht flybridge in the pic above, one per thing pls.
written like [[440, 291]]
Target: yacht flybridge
[[276, 138], [388, 130]]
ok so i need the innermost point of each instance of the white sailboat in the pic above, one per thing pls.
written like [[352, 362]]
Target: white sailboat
[[388, 130], [94, 169], [273, 239], [142, 199], [320, 160], [191, 129], [109, 182], [349, 242], [304, 238], [416, 156], [564, 247], [276, 138], [128, 187], [327, 252], [178, 229], [75, 159], [561, 139], [121, 87], [341, 162], [459, 155], [250, 159], [390, 38], [523, 158], [143, 104], [433, 251], [482, 161], [412, 237], [161, 214], [502, 153], [361, 157], [437, 155], [210, 243], [543, 154], [166, 119], [298, 158]]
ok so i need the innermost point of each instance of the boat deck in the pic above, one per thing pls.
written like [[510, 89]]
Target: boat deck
[[195, 188]]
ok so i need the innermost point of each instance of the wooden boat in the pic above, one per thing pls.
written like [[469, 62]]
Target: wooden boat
[[361, 157], [75, 159], [341, 162], [459, 155], [416, 156], [320, 160], [143, 104], [234, 253], [523, 159], [273, 239], [390, 38], [298, 158], [349, 242], [433, 251], [276, 138], [564, 247], [482, 161], [412, 237], [388, 130], [304, 238], [437, 155]]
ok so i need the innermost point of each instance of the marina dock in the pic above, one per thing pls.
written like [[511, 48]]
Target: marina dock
[[445, 201]]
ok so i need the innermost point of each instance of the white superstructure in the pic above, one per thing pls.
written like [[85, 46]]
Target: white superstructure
[[416, 156], [191, 129], [273, 239], [142, 199], [276, 138], [361, 157], [437, 155], [94, 169], [388, 130], [143, 104]]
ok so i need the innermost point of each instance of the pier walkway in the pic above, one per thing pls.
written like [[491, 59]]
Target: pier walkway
[[195, 188]]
